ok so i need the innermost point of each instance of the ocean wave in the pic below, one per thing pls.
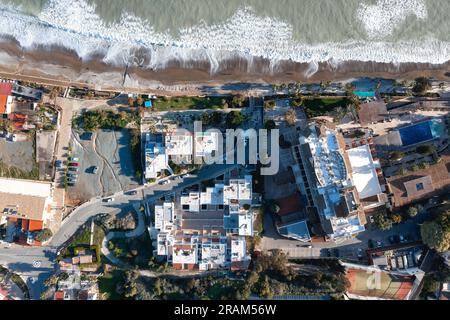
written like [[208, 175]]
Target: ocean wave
[[383, 17], [76, 26]]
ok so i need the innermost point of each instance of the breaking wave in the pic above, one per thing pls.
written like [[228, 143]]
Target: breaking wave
[[74, 24]]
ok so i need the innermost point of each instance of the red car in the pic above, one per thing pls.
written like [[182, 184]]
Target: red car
[[73, 164]]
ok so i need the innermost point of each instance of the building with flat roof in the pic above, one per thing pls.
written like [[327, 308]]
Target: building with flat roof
[[206, 144], [206, 230], [156, 159], [27, 203], [326, 181], [365, 177], [180, 146]]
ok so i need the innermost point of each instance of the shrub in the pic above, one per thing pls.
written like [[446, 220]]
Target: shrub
[[421, 86], [396, 155], [396, 218], [412, 211], [44, 235], [425, 149], [269, 125]]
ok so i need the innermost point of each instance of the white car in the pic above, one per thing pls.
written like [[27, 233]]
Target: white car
[[109, 199]]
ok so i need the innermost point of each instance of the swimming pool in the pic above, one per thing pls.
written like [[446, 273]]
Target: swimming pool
[[364, 94], [421, 132]]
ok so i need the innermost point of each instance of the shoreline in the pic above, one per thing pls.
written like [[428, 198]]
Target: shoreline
[[65, 67]]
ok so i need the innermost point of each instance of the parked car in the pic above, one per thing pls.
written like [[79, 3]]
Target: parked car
[[132, 193], [71, 184], [163, 182], [74, 159], [73, 164], [74, 169], [108, 199], [360, 253]]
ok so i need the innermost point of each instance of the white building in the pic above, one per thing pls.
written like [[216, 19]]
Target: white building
[[180, 145], [328, 182], [206, 144], [365, 178], [195, 242], [156, 159]]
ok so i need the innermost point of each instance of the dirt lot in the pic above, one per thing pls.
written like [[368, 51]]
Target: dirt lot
[[19, 154], [45, 142], [110, 152]]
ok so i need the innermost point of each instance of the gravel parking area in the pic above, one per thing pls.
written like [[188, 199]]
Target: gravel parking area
[[110, 152]]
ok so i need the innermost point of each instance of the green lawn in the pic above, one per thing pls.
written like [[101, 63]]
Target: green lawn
[[188, 103], [315, 107]]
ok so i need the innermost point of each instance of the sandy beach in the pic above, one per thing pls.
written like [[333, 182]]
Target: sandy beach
[[61, 67]]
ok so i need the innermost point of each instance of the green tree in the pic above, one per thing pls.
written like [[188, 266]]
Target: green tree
[[206, 118], [275, 208], [425, 149], [270, 124], [383, 222], [216, 118], [266, 290], [234, 119], [290, 117], [396, 155], [269, 104], [421, 85], [436, 234], [140, 101]]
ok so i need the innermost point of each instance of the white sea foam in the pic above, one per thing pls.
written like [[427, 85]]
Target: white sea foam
[[381, 19], [75, 25]]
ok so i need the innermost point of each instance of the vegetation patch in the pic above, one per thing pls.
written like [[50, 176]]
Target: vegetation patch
[[198, 103], [92, 120], [315, 107], [134, 251]]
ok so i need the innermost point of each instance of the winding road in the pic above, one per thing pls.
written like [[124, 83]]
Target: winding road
[[19, 259]]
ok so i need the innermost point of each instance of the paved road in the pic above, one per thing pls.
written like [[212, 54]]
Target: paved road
[[32, 263], [20, 259]]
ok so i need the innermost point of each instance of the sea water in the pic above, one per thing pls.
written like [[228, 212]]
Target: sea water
[[311, 31]]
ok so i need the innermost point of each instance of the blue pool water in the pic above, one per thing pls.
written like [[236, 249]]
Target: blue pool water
[[364, 94], [420, 132]]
